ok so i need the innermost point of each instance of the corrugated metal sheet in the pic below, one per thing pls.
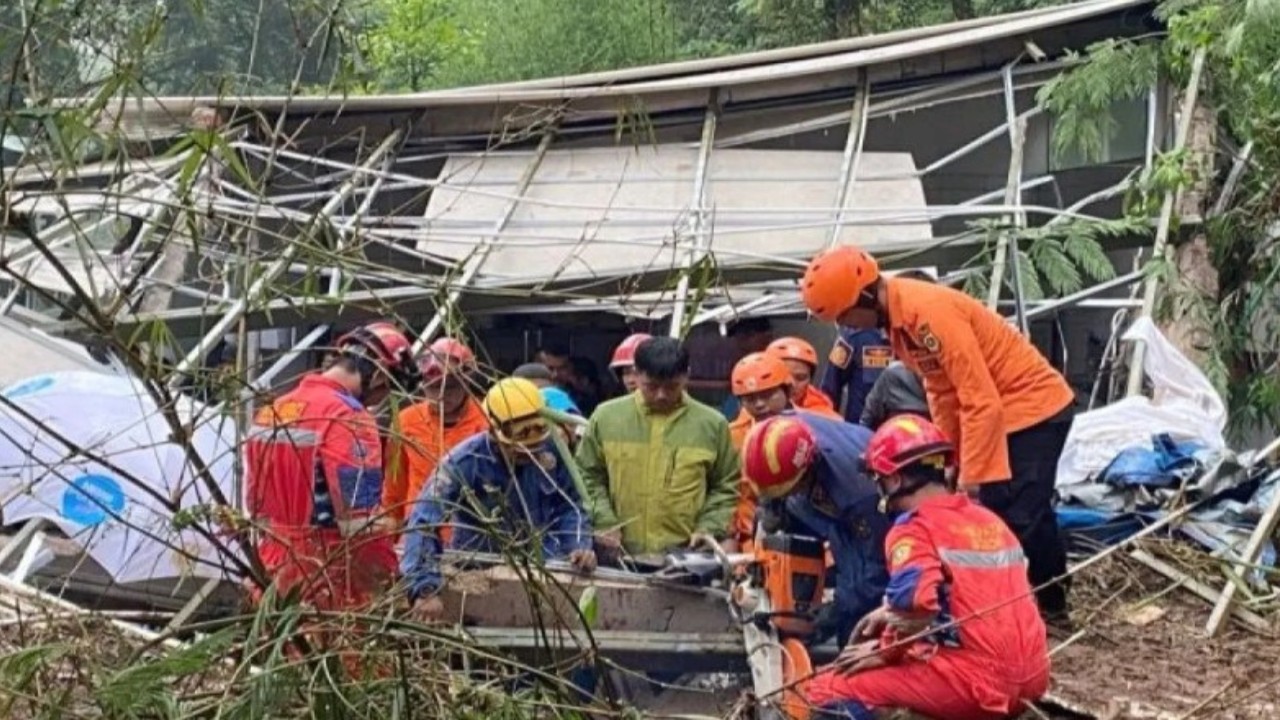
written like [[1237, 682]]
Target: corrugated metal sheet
[[614, 211], [648, 84]]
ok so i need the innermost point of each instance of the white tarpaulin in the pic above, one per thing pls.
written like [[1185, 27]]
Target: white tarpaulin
[[1183, 405], [115, 508]]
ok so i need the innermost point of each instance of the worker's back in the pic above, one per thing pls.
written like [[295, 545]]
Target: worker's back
[[988, 591], [1029, 388]]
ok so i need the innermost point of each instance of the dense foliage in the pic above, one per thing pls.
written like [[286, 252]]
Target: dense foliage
[[1236, 316]]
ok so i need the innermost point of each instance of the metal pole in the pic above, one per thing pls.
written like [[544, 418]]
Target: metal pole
[[486, 245], [1160, 249], [259, 286], [852, 154], [701, 238], [348, 225], [1012, 198], [1068, 300]]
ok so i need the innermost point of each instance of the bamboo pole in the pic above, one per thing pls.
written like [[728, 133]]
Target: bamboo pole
[[1161, 247]]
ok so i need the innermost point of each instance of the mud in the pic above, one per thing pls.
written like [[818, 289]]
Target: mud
[[1134, 662]]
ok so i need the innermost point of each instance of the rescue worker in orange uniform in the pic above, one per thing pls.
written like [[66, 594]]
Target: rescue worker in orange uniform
[[623, 362], [957, 579], [802, 361], [988, 389], [762, 382], [314, 470], [447, 414]]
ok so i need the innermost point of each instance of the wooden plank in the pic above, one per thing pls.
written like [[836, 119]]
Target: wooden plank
[[500, 597]]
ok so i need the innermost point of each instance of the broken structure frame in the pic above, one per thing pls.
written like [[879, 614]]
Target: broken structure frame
[[862, 108]]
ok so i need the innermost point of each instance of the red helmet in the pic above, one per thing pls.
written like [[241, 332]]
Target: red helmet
[[386, 349], [777, 453], [758, 372], [794, 348], [444, 356], [905, 439], [624, 356]]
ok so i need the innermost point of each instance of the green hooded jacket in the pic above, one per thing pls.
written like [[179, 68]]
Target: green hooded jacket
[[660, 478]]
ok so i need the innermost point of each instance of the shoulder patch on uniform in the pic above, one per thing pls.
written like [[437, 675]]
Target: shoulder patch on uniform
[[928, 339], [280, 414], [841, 353], [547, 460], [899, 553], [876, 357]]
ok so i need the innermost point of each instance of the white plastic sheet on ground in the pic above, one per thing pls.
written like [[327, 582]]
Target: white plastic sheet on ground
[[114, 509], [1184, 404]]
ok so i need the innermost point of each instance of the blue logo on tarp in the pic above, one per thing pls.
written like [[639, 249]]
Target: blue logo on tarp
[[91, 499], [29, 387]]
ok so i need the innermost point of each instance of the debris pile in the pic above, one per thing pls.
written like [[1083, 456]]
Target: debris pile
[[1140, 649]]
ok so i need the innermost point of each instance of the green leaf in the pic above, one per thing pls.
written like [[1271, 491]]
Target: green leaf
[[1059, 273], [1031, 288], [589, 606], [1083, 248]]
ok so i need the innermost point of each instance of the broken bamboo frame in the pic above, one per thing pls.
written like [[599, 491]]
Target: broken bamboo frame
[[1161, 247], [263, 283], [1261, 533], [1248, 618], [701, 233]]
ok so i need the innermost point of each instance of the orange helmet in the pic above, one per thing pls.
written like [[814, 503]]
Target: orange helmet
[[834, 280], [905, 439], [624, 356], [777, 453], [794, 348], [758, 372]]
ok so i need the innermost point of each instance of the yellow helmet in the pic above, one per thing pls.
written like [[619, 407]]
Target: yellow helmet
[[514, 407]]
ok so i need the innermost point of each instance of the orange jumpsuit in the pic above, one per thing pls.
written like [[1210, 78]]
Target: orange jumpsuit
[[421, 442], [314, 470], [983, 379], [950, 561]]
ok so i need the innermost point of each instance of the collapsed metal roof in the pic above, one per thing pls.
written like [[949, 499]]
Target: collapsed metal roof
[[497, 196]]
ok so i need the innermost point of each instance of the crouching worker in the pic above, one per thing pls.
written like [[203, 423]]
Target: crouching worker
[[811, 466], [506, 488], [955, 567]]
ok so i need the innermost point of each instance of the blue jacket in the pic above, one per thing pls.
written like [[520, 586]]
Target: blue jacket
[[492, 506], [842, 507], [856, 361]]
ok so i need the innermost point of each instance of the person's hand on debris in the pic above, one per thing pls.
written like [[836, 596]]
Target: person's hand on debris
[[859, 657], [584, 560], [871, 625], [428, 609], [608, 546]]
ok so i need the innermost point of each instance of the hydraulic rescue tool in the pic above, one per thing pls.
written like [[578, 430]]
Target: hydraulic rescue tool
[[775, 591]]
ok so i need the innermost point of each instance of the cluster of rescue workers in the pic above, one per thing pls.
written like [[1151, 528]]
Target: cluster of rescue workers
[[937, 511]]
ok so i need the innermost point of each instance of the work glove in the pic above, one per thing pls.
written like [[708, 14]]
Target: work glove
[[826, 624], [771, 516]]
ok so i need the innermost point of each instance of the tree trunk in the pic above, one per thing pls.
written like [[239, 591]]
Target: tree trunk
[[1191, 332]]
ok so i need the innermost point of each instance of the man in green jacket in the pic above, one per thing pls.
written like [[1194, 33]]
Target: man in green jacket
[[659, 465]]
